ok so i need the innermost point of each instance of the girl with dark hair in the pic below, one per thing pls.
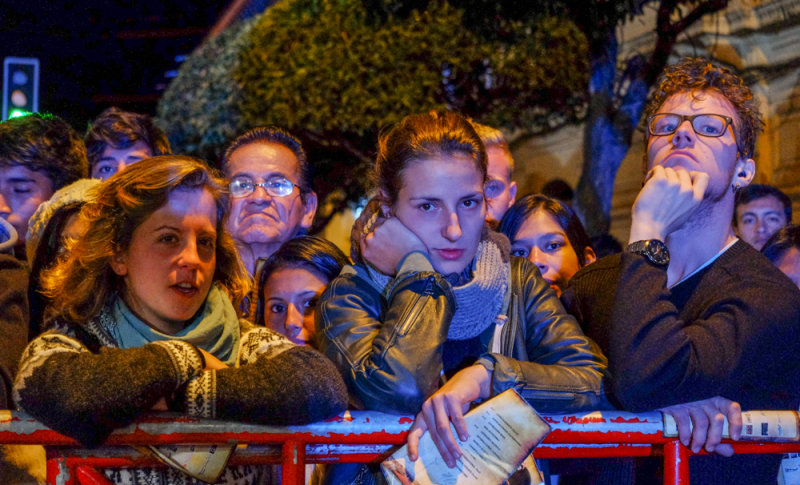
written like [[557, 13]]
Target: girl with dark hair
[[549, 235], [436, 313], [144, 318], [290, 283]]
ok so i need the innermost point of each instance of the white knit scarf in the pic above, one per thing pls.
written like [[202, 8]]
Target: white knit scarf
[[480, 300]]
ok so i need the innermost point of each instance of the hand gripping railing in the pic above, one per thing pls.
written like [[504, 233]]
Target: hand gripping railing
[[356, 436]]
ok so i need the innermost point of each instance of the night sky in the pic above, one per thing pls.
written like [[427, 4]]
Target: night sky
[[95, 53]]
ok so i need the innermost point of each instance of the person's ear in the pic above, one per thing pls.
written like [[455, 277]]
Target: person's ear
[[383, 196], [589, 256], [383, 199], [512, 191], [119, 263], [309, 208], [744, 172]]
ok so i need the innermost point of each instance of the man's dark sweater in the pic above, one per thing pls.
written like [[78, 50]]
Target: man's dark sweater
[[731, 330]]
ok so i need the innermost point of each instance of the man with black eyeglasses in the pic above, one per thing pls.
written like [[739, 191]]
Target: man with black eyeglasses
[[271, 196], [689, 311]]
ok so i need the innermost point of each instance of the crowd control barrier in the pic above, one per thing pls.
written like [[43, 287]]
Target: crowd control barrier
[[355, 436]]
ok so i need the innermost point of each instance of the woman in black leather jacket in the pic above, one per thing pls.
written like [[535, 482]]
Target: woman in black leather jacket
[[436, 314]]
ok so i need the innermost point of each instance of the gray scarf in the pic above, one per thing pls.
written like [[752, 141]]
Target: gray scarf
[[480, 300]]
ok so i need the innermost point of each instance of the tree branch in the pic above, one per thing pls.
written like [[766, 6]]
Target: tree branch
[[668, 31], [700, 10]]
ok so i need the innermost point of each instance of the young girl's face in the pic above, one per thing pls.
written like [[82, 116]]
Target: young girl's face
[[441, 201], [543, 241], [290, 298]]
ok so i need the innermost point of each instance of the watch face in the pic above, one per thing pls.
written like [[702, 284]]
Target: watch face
[[658, 252]]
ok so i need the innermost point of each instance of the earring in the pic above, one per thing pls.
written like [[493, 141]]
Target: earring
[[736, 187]]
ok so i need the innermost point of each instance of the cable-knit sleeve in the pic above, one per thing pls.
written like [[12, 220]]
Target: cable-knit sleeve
[[277, 382], [87, 395]]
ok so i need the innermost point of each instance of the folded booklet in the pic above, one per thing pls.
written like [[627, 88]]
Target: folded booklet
[[503, 431]]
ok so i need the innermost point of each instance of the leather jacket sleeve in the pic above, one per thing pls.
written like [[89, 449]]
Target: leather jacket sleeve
[[563, 370], [389, 350]]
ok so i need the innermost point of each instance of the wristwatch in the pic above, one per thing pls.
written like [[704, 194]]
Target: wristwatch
[[653, 249]]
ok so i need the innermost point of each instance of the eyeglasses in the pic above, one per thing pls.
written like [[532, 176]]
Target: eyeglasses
[[493, 189], [277, 186], [713, 125]]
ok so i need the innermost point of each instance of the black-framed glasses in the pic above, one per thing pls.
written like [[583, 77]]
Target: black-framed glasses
[[277, 186], [705, 124]]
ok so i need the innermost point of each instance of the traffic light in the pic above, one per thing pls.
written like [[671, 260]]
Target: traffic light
[[20, 86]]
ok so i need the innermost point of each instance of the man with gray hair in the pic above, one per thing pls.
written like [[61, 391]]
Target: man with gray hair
[[271, 196]]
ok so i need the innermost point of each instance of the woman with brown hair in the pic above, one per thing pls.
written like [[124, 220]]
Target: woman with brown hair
[[436, 313], [143, 317]]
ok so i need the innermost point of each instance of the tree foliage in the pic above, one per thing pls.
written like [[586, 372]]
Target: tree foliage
[[199, 110], [335, 67], [335, 72]]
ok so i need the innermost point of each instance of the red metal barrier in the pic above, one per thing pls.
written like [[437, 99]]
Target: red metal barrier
[[352, 437]]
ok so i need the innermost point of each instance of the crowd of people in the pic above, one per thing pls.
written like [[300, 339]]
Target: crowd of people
[[161, 283]]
